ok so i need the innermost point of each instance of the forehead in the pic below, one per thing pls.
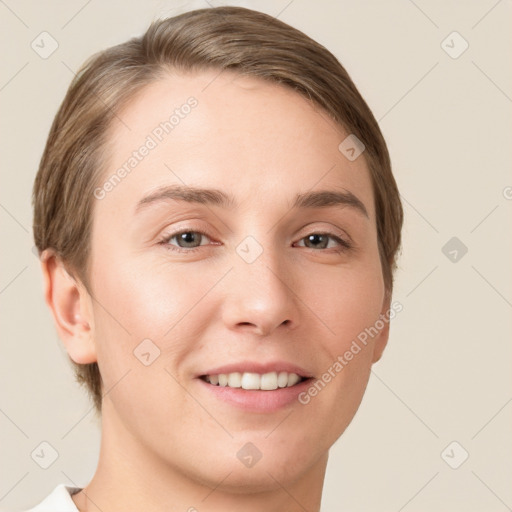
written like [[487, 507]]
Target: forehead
[[258, 138]]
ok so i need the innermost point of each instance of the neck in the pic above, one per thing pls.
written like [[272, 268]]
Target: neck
[[130, 477]]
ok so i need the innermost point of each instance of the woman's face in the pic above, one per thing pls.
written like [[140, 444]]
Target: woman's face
[[262, 275]]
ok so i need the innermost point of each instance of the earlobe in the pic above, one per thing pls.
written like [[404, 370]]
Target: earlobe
[[70, 305]]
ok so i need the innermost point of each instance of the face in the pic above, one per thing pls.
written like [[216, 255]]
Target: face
[[254, 272]]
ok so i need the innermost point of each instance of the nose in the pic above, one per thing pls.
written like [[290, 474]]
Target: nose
[[259, 297]]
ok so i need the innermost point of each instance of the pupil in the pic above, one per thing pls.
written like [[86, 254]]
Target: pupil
[[188, 237], [316, 240]]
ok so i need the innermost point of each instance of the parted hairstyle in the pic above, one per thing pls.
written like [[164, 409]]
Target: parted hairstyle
[[233, 39]]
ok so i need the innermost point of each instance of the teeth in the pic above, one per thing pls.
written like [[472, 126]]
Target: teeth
[[251, 381], [293, 378], [269, 381], [235, 380], [282, 379], [266, 381]]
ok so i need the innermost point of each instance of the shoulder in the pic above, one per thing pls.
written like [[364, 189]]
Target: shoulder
[[59, 500]]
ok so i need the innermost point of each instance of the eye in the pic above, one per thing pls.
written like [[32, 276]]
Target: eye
[[190, 240], [323, 241], [184, 240]]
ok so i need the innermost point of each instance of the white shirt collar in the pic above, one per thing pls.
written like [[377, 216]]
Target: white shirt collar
[[59, 500]]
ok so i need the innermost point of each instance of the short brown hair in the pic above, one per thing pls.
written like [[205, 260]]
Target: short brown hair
[[222, 38]]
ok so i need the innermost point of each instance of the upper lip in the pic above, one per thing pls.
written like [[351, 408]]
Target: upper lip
[[258, 367]]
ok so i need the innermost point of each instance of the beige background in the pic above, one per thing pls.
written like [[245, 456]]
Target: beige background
[[446, 374]]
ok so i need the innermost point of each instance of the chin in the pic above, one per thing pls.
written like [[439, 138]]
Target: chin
[[259, 466], [263, 477]]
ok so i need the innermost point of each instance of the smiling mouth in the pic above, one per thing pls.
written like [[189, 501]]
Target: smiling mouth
[[254, 381]]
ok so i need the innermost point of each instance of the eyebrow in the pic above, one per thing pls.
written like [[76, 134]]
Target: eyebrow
[[216, 197]]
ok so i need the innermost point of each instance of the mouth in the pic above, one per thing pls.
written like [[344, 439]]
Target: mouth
[[269, 381], [251, 386]]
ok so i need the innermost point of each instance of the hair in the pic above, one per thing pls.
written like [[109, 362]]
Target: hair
[[234, 39]]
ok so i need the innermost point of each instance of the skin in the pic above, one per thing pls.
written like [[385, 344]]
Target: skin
[[167, 444]]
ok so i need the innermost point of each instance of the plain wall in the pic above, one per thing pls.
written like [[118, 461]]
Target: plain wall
[[446, 373]]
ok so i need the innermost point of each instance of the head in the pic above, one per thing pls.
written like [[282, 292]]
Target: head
[[153, 285]]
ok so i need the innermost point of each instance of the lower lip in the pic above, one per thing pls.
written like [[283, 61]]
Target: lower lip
[[254, 400]]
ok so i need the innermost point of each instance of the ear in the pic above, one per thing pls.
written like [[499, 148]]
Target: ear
[[71, 307], [381, 340]]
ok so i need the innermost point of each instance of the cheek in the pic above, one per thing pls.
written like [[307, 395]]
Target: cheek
[[151, 317], [143, 308], [346, 301], [150, 298]]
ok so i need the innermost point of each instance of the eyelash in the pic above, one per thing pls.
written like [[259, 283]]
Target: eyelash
[[344, 244]]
